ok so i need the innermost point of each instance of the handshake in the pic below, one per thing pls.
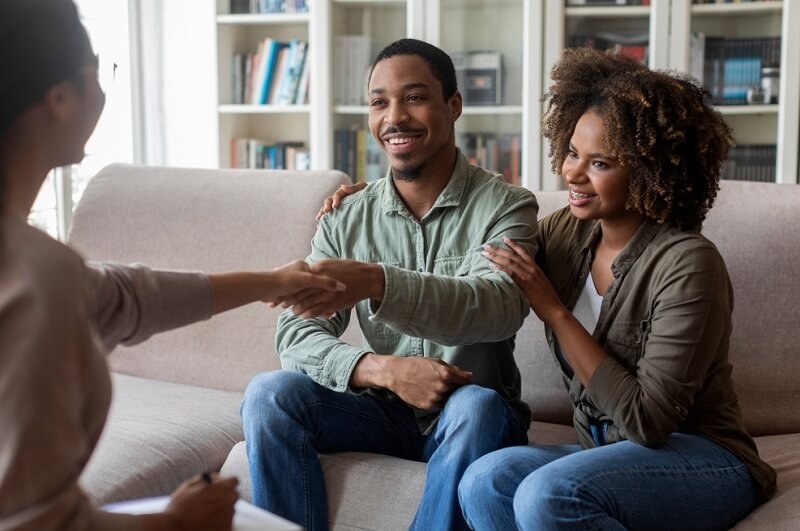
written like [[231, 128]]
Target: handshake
[[322, 288]]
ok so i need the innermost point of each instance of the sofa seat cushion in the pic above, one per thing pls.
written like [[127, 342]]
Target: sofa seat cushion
[[781, 513], [365, 491], [371, 482], [159, 434]]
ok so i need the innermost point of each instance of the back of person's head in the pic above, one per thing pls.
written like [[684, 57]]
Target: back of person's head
[[659, 124], [438, 61], [42, 42]]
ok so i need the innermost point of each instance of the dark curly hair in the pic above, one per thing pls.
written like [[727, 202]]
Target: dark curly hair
[[440, 63], [660, 124]]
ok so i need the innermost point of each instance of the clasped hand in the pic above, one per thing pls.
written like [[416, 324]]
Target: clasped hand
[[360, 280]]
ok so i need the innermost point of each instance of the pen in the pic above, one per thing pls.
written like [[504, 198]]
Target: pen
[[206, 478]]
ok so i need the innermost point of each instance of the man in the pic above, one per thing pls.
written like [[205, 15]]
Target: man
[[436, 381]]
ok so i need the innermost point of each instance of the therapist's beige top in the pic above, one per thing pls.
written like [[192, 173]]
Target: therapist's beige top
[[58, 318]]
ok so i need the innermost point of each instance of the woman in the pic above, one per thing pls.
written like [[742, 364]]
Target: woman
[[58, 316], [637, 307]]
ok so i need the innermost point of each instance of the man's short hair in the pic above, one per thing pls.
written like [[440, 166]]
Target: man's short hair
[[439, 62]]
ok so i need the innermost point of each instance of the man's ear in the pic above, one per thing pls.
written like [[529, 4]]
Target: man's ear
[[456, 103], [60, 101]]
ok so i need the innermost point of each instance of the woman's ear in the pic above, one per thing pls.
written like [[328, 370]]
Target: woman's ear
[[61, 101]]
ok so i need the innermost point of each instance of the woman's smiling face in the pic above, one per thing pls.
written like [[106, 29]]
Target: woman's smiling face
[[597, 182]]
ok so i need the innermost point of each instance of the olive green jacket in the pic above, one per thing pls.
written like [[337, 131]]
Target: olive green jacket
[[665, 322]]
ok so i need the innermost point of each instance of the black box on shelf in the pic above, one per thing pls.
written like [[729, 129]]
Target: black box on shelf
[[480, 77]]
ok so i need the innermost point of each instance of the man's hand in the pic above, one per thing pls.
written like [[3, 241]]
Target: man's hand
[[424, 383], [363, 281]]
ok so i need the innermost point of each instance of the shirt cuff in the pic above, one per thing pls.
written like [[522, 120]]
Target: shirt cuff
[[395, 309]]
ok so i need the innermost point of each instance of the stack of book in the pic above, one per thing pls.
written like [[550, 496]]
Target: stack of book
[[751, 162], [731, 66], [352, 59], [276, 74], [633, 43], [358, 155], [256, 154], [498, 153], [268, 6]]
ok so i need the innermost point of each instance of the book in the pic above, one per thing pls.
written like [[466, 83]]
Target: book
[[265, 73], [278, 73], [290, 81], [247, 517]]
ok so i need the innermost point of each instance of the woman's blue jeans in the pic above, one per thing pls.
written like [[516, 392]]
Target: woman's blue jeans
[[289, 419], [689, 483]]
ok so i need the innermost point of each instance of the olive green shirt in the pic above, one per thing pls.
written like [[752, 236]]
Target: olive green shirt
[[441, 298], [665, 322]]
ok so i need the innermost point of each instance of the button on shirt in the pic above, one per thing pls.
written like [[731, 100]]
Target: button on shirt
[[441, 298]]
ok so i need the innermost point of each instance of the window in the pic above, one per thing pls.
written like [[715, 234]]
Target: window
[[112, 141]]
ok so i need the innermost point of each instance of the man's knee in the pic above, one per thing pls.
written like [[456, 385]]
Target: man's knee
[[270, 391], [479, 404]]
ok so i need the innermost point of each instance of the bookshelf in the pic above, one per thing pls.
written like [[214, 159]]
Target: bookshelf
[[262, 122], [766, 133], [524, 37], [499, 124]]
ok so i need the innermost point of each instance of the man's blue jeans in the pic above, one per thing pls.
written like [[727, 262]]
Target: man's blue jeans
[[289, 419], [689, 483]]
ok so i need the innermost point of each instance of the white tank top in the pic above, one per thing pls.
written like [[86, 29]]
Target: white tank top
[[587, 309]]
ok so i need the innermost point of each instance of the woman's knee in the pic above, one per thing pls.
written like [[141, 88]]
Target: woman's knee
[[477, 477]]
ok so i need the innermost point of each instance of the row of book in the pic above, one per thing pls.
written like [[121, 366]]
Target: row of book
[[729, 67], [499, 153], [356, 153], [277, 73], [268, 6], [352, 59], [608, 2], [256, 154], [751, 162], [728, 1], [632, 43]]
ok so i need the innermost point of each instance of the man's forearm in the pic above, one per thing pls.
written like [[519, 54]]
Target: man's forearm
[[370, 371]]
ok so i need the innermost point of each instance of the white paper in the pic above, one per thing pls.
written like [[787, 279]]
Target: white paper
[[247, 517]]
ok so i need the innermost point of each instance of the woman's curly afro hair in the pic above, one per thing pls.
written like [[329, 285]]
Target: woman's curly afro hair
[[659, 124]]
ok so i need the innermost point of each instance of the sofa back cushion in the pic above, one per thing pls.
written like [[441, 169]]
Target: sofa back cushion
[[207, 220], [756, 227], [220, 220]]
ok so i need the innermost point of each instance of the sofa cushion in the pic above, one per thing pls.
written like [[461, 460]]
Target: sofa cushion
[[781, 513], [159, 434], [363, 489]]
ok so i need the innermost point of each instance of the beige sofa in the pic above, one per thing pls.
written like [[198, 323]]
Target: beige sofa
[[176, 404]]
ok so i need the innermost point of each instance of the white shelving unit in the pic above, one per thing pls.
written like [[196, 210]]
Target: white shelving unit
[[303, 122], [670, 24], [529, 34], [775, 123]]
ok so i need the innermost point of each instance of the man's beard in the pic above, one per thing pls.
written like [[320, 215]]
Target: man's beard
[[407, 174]]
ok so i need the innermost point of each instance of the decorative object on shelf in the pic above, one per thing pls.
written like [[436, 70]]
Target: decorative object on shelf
[[480, 76], [770, 82]]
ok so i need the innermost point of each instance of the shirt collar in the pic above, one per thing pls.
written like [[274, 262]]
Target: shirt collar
[[626, 258]]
